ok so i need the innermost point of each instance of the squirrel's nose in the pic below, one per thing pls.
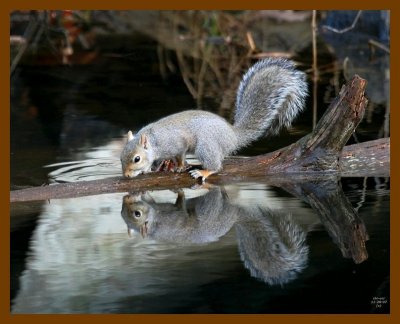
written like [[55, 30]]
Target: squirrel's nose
[[127, 175]]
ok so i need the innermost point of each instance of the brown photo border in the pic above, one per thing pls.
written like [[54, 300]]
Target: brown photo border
[[8, 6]]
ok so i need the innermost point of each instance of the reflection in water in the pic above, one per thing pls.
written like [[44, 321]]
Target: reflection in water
[[91, 164], [198, 220], [271, 245], [81, 259], [337, 214], [182, 246]]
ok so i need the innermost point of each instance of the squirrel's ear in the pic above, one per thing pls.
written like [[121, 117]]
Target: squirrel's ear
[[143, 141], [130, 136]]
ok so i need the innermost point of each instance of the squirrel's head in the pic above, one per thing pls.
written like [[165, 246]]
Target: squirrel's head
[[135, 213], [136, 156]]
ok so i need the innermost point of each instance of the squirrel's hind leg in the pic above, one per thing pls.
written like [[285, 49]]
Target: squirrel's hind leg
[[210, 155]]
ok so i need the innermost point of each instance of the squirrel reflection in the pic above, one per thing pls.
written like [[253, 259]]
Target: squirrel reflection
[[271, 245], [197, 220]]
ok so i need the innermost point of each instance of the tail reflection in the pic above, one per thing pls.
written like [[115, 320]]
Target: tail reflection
[[271, 245]]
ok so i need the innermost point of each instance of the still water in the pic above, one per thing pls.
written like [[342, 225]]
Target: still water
[[243, 248]]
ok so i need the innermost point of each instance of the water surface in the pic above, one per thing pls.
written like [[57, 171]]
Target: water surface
[[244, 248]]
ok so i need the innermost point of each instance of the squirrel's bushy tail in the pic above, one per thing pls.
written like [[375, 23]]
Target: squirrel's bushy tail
[[270, 95]]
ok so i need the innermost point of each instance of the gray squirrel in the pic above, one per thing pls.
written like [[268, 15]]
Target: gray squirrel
[[270, 95]]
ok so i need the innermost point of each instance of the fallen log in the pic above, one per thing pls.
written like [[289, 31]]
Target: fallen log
[[317, 154]]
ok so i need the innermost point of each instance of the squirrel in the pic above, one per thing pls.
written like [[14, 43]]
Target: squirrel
[[270, 95]]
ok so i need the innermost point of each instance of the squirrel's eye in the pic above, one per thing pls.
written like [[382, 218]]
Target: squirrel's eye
[[137, 213], [136, 159]]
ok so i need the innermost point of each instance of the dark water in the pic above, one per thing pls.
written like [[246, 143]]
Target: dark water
[[245, 248]]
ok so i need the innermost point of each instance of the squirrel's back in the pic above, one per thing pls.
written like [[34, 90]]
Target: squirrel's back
[[192, 130]]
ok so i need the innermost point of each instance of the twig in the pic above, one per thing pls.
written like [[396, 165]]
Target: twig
[[29, 33], [315, 67], [384, 48], [206, 55], [161, 62], [271, 54], [251, 42], [185, 75], [344, 30]]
